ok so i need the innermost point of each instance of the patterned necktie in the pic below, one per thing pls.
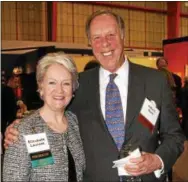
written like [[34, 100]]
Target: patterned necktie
[[114, 112]]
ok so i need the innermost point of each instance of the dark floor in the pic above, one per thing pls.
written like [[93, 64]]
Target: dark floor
[[180, 169]]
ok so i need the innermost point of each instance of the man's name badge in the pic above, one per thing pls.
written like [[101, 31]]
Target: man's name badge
[[39, 150], [149, 114]]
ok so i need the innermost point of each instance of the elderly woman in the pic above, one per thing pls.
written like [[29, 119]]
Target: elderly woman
[[49, 146]]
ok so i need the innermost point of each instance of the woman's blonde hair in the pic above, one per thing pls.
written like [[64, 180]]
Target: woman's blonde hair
[[56, 58]]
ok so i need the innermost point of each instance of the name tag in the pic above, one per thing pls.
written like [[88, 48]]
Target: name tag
[[149, 114], [39, 150]]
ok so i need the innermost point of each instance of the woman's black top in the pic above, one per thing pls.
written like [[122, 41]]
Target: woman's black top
[[72, 170]]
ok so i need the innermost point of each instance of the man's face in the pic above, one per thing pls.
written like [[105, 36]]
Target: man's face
[[162, 64], [107, 42]]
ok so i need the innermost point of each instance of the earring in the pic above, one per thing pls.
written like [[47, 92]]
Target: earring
[[41, 95]]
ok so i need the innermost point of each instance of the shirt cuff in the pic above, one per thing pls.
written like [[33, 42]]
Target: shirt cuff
[[158, 172]]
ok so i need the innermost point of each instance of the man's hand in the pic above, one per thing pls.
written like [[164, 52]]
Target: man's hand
[[145, 164], [11, 134]]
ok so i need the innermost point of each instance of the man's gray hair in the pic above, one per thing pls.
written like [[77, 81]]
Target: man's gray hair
[[118, 19]]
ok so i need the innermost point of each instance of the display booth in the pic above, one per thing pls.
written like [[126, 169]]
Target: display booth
[[176, 52], [20, 63]]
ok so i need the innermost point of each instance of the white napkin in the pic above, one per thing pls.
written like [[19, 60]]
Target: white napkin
[[121, 163]]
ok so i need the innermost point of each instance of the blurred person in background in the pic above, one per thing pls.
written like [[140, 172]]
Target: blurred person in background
[[91, 64], [30, 97], [174, 82], [170, 81], [163, 63], [8, 103]]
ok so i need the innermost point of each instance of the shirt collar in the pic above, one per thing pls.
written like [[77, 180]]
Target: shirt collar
[[121, 71]]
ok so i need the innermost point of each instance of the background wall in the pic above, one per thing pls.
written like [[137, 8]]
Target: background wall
[[24, 20], [145, 61], [146, 22], [176, 52], [64, 24]]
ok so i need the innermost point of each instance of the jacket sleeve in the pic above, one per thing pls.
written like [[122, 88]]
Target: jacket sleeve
[[171, 135], [16, 166]]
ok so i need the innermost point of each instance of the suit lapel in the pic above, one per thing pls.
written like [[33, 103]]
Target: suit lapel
[[96, 93], [135, 98]]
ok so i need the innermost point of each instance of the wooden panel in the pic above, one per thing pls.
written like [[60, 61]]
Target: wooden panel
[[184, 27], [156, 5], [155, 29], [64, 22], [137, 29], [123, 3], [37, 31], [71, 18], [184, 7], [81, 13], [28, 15], [8, 21], [95, 8], [44, 27], [124, 13], [6, 13], [137, 3]]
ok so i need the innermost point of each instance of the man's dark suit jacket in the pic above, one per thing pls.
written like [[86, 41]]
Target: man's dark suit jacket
[[99, 147]]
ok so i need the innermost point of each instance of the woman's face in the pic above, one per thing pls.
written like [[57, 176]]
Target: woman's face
[[56, 88]]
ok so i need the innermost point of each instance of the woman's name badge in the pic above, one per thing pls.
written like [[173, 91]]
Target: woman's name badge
[[39, 150]]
